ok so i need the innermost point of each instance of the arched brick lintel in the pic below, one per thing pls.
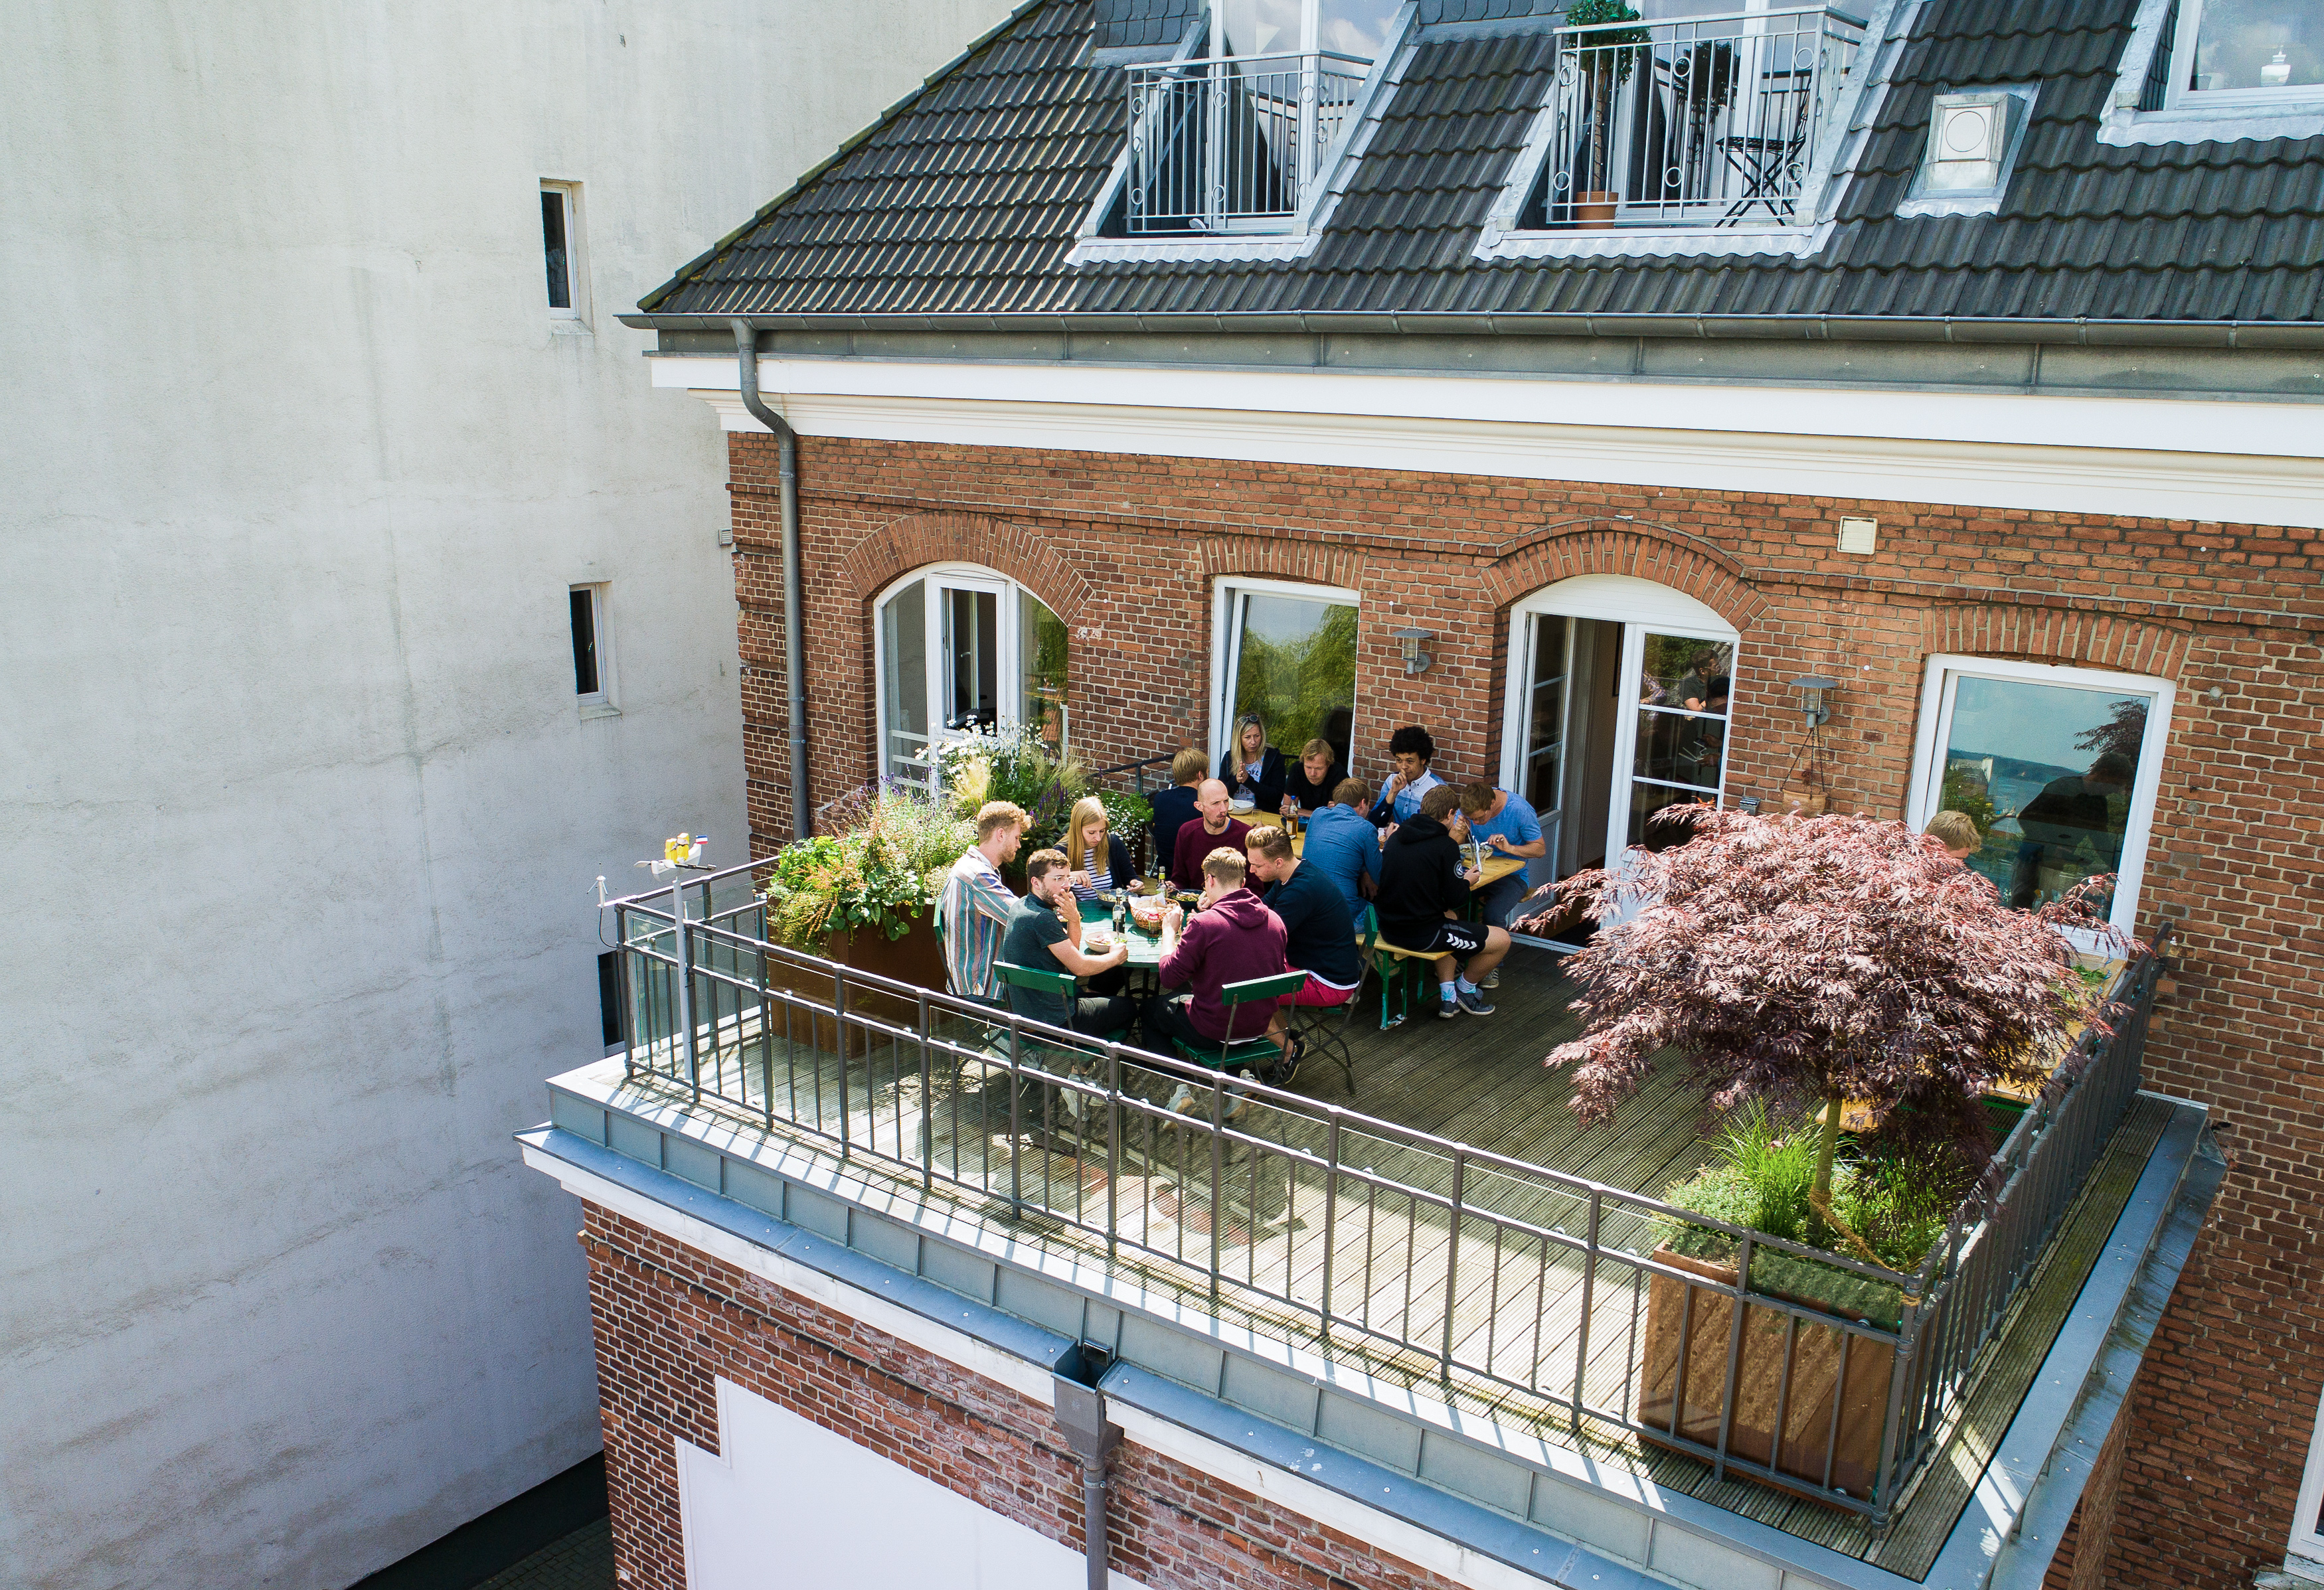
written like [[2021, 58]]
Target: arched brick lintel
[[1642, 550], [1312, 562], [1024, 554], [2038, 633]]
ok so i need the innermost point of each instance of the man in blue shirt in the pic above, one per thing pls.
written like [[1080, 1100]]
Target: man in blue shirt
[[1505, 824], [1342, 845], [1412, 749]]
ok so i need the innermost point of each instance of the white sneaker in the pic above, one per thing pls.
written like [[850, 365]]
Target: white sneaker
[[1182, 1102]]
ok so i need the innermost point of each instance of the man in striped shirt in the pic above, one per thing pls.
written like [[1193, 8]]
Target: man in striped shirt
[[974, 909]]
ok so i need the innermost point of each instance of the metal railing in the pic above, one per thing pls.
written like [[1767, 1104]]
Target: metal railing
[[1233, 144], [1411, 1249], [1702, 120]]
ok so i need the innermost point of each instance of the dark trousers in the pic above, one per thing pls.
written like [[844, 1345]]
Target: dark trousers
[[1498, 899], [1104, 1017], [1167, 1021]]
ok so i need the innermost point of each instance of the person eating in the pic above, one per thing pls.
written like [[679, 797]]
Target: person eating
[[1095, 862], [1307, 788], [1213, 829]]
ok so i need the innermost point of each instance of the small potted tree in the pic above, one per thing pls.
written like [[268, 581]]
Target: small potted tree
[[1608, 55], [1799, 964]]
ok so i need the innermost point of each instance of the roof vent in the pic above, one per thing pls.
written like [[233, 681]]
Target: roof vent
[[1974, 134]]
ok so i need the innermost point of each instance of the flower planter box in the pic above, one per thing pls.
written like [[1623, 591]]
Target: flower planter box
[[916, 958], [1697, 1339]]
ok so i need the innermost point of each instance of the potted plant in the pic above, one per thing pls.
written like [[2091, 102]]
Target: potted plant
[[863, 893], [1799, 964], [1608, 56]]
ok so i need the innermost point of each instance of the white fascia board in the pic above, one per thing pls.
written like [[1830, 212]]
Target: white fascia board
[[2235, 462]]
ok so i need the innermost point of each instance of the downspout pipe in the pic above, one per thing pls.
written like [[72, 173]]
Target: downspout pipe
[[1080, 1414], [746, 356]]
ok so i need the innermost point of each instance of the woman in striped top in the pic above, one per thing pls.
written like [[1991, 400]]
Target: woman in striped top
[[1095, 860]]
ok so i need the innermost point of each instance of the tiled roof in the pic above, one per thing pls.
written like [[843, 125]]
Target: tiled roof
[[965, 200]]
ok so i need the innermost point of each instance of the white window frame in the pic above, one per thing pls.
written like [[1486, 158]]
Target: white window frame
[[1224, 642], [2306, 1549], [1936, 723], [601, 702], [1009, 664], [2177, 95], [577, 260], [1641, 607], [2200, 116]]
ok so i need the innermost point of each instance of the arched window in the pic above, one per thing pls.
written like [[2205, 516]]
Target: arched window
[[961, 649]]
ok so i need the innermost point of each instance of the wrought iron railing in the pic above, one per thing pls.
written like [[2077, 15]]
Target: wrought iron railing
[[1234, 143], [1700, 120], [1408, 1248]]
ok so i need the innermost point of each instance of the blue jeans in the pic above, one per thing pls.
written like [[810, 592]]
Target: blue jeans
[[1498, 899]]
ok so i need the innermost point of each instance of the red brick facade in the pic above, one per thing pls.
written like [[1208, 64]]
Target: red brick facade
[[1124, 549], [670, 1320]]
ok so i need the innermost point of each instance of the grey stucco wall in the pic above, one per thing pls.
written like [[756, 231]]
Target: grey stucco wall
[[302, 819]]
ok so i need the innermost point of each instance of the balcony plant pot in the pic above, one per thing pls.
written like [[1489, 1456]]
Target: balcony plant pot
[[1594, 209], [916, 958], [1697, 1338]]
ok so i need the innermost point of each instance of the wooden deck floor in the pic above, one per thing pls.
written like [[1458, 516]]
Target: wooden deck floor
[[1382, 1250]]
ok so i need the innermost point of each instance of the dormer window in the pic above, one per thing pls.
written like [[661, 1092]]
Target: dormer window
[[2236, 52], [1241, 137], [2219, 71]]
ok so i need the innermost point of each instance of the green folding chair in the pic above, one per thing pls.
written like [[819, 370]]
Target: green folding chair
[[1250, 1052], [1063, 984], [1325, 1027]]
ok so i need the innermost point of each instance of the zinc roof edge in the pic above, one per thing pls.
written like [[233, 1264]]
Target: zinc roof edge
[[2080, 331]]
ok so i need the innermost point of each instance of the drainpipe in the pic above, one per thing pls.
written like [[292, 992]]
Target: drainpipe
[[1080, 1414], [746, 355]]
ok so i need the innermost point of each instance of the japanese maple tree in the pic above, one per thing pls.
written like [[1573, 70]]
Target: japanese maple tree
[[1807, 961]]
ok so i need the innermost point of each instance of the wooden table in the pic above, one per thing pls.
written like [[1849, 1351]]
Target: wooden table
[[1495, 867]]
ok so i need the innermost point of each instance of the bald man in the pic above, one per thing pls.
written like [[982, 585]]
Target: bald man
[[1212, 830]]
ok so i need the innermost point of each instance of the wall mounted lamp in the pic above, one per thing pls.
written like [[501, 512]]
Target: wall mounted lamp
[[1415, 661], [1815, 698]]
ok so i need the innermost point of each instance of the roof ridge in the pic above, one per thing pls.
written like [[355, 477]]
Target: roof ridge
[[847, 146]]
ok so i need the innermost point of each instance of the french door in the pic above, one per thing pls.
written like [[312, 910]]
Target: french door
[[1620, 693], [960, 651]]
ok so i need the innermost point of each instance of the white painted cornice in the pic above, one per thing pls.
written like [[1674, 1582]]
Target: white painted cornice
[[2235, 461]]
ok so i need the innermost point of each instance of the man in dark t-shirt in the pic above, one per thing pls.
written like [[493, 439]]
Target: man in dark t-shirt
[[1046, 933], [1319, 932]]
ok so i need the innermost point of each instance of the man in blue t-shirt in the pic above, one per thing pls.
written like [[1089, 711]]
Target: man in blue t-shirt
[[1505, 823], [1342, 845], [1044, 932]]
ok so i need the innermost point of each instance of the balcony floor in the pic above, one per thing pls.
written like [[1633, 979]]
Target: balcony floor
[[1476, 1081]]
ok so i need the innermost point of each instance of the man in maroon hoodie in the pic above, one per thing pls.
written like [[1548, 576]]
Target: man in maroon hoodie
[[1232, 939]]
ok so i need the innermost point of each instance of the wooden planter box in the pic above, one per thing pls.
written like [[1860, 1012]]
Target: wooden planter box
[[1808, 1431], [916, 958]]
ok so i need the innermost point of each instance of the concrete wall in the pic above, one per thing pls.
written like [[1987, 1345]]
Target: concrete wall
[[302, 820]]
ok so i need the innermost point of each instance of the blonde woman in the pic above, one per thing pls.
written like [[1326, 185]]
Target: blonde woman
[[1254, 770], [1094, 862]]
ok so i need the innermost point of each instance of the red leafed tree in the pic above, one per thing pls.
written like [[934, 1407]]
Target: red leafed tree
[[1807, 961]]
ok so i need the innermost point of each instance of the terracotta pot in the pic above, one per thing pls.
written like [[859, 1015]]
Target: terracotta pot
[[916, 958], [1808, 1430], [1802, 799], [1594, 209]]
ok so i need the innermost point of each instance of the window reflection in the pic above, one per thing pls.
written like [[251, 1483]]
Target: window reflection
[[2258, 44], [2046, 772]]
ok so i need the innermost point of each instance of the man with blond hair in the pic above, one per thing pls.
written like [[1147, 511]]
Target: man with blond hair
[[1173, 807], [974, 908]]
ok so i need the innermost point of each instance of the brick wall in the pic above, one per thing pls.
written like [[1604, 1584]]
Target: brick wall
[[2080, 1563], [1125, 549], [670, 1320]]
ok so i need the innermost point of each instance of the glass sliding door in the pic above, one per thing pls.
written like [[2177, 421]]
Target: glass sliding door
[[2055, 768], [962, 650], [1678, 754], [1292, 660]]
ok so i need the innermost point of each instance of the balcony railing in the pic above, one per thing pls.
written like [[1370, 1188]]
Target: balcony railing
[[1394, 1245], [1698, 120], [1233, 144]]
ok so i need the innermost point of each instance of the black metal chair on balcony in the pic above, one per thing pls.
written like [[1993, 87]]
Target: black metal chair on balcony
[[1767, 163]]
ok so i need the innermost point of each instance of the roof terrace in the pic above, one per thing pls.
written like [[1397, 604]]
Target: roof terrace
[[1443, 1272]]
